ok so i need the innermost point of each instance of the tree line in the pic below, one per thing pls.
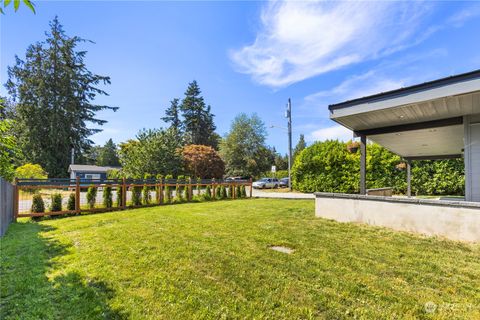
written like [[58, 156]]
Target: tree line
[[51, 107]]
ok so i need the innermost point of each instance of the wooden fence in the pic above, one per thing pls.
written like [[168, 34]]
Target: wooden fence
[[67, 196], [7, 191]]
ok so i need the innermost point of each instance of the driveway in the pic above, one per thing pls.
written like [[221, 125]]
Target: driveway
[[281, 195]]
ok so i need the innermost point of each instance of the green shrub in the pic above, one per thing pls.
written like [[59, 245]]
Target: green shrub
[[243, 192], [146, 190], [91, 197], [231, 190], [208, 194], [238, 192], [71, 202], [279, 174], [119, 199], [159, 190], [218, 192], [168, 190], [223, 194], [38, 205], [107, 197], [137, 196], [328, 167], [146, 195], [56, 202]]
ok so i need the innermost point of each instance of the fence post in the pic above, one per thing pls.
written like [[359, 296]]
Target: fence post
[[251, 187], [124, 193], [15, 200], [234, 190], [77, 195]]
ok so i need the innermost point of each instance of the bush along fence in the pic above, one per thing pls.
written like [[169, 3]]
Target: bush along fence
[[44, 197]]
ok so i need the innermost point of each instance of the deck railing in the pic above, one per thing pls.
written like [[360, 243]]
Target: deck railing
[[73, 196]]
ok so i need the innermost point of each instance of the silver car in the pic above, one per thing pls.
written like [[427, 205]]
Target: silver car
[[266, 183]]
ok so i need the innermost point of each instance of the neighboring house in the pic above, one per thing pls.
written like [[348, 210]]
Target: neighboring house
[[88, 172]]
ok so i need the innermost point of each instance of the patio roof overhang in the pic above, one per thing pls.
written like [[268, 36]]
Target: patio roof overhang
[[423, 121]]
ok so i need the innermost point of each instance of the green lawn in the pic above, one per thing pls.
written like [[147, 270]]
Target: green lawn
[[212, 260]]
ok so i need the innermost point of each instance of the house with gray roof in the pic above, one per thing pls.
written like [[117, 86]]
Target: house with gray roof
[[88, 172]]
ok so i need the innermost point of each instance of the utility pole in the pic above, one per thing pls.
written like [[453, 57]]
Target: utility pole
[[288, 115]]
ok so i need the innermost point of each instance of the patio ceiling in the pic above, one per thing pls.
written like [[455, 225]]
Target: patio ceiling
[[424, 120]]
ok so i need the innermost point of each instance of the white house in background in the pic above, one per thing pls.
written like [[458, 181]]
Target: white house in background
[[439, 119], [88, 172]]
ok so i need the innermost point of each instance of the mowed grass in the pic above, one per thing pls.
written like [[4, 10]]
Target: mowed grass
[[212, 260]]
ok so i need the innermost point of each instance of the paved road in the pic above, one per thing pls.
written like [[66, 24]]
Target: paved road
[[282, 195]]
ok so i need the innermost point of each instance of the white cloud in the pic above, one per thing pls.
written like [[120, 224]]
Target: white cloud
[[358, 86], [388, 75], [331, 133], [462, 16], [299, 40]]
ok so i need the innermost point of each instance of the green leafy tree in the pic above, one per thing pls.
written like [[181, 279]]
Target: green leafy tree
[[30, 171], [16, 5], [198, 124], [153, 152], [108, 155], [53, 91], [281, 162], [299, 147], [243, 150], [8, 144]]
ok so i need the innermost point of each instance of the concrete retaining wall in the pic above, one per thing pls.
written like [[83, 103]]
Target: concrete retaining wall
[[6, 205], [454, 220]]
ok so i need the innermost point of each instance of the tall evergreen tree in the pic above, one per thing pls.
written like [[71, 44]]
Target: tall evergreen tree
[[108, 155], [172, 116], [299, 147], [198, 124], [54, 91]]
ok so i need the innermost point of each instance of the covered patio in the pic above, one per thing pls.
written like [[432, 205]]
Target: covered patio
[[439, 119]]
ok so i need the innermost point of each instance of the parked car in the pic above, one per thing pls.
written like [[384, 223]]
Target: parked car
[[266, 183], [237, 179], [283, 183]]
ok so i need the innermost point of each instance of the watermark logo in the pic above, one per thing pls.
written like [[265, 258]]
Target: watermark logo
[[430, 307]]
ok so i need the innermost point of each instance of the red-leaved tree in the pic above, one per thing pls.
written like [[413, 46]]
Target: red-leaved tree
[[202, 161]]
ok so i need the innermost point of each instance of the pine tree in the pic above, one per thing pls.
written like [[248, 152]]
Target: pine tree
[[107, 155], [53, 91], [299, 147], [198, 124], [172, 116]]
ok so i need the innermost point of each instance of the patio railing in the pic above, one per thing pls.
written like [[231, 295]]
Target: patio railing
[[44, 197]]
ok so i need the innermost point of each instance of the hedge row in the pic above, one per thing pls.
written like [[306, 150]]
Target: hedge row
[[329, 167], [141, 196]]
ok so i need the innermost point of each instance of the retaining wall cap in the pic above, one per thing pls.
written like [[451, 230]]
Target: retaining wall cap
[[444, 203]]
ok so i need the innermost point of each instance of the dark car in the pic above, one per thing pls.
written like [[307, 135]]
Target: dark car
[[283, 183]]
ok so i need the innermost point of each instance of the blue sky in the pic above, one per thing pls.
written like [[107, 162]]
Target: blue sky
[[252, 56]]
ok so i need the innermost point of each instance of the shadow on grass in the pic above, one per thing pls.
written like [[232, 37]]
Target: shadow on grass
[[27, 292]]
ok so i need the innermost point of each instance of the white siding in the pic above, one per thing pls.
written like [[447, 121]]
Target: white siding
[[472, 158], [475, 160]]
